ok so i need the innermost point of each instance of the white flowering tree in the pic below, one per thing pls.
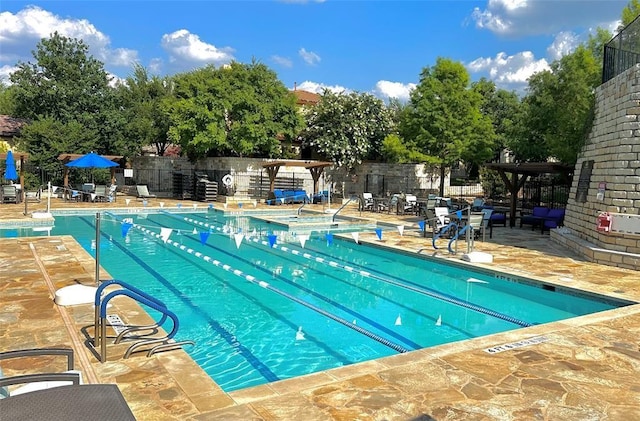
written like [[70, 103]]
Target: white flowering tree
[[347, 128]]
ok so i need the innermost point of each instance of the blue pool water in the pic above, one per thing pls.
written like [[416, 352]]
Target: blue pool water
[[261, 307]]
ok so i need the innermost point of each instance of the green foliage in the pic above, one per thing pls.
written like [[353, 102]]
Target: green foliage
[[65, 95], [559, 109], [630, 12], [503, 108], [7, 101], [47, 138], [394, 150], [147, 122], [444, 118], [236, 110], [348, 128], [492, 184]]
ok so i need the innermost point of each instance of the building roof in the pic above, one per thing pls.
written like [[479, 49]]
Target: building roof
[[306, 97], [10, 126]]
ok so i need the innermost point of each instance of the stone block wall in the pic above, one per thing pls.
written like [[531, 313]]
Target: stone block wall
[[613, 153]]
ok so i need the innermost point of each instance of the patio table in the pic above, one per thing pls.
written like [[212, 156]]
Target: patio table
[[68, 403]]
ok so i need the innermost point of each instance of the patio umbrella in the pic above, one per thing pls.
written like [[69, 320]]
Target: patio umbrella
[[10, 171], [92, 160]]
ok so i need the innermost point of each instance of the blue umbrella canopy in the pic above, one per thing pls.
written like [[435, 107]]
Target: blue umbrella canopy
[[92, 160], [10, 171]]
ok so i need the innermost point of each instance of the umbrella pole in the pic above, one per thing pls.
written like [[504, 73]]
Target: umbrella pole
[[97, 248]]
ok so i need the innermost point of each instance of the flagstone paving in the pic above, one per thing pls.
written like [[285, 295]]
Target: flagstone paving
[[584, 368]]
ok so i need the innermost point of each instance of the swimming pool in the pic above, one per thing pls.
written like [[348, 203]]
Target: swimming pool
[[264, 305]]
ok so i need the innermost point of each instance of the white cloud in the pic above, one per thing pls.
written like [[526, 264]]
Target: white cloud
[[534, 17], [387, 89], [318, 88], [20, 32], [309, 57], [185, 47], [563, 44], [155, 65], [5, 72], [282, 61], [509, 72]]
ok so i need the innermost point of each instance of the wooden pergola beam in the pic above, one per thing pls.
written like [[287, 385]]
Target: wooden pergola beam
[[315, 167], [525, 169]]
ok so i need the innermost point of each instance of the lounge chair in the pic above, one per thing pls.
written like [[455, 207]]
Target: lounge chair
[[143, 192], [10, 194]]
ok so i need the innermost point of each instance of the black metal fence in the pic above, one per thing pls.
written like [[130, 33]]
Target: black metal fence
[[622, 52]]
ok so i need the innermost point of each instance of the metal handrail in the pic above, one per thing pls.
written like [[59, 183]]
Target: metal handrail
[[97, 319], [142, 298], [333, 218]]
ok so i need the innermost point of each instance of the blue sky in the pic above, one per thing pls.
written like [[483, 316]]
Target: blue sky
[[368, 46]]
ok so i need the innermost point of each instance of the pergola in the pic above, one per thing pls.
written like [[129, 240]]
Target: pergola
[[68, 157], [315, 167], [519, 174]]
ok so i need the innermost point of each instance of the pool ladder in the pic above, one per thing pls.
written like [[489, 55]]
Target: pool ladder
[[157, 343]]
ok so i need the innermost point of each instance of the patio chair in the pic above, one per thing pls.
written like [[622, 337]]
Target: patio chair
[[476, 221], [410, 204], [9, 194], [33, 196], [486, 222], [59, 395], [390, 204], [72, 194], [477, 204], [367, 202], [535, 218], [554, 219], [100, 193], [38, 381], [112, 193], [143, 192]]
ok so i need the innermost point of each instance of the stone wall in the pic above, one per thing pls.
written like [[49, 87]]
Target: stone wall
[[378, 178], [612, 153]]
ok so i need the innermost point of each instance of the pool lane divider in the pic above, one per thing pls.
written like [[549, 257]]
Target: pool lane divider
[[271, 288], [231, 339], [339, 357], [359, 316], [433, 294]]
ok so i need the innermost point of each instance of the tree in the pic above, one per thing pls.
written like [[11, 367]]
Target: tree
[[444, 118], [559, 109], [238, 109], [68, 91], [348, 128], [147, 121], [629, 13], [7, 102], [503, 108]]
